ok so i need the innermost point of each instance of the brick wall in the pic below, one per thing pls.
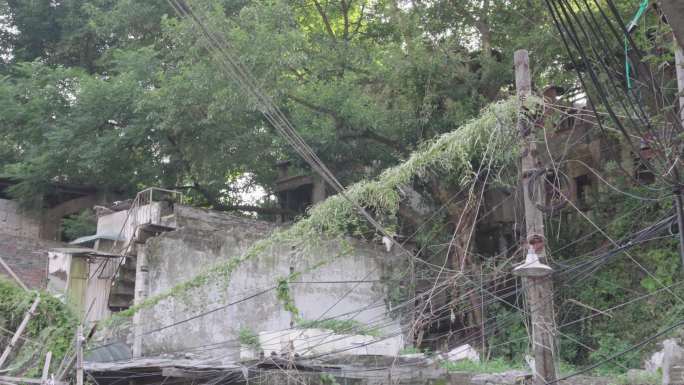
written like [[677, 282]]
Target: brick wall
[[27, 257], [17, 222]]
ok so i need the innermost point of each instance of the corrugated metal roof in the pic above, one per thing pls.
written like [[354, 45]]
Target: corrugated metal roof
[[95, 237], [116, 351], [84, 251]]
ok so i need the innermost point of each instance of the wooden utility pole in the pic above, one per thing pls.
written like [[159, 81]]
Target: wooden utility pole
[[79, 355], [536, 275], [679, 64], [19, 331]]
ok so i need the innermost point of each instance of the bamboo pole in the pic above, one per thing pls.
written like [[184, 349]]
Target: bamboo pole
[[19, 331]]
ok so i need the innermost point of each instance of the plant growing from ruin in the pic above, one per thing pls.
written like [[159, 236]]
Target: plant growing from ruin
[[285, 297], [328, 379], [249, 338], [341, 326]]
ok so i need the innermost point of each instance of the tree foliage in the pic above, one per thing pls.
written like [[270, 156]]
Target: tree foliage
[[123, 94]]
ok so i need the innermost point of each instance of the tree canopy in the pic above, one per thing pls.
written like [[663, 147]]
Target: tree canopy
[[122, 94]]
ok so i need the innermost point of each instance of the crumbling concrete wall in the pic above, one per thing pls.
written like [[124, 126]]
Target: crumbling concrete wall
[[123, 224], [330, 285]]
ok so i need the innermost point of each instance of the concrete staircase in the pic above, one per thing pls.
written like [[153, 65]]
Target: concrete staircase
[[122, 293], [123, 287]]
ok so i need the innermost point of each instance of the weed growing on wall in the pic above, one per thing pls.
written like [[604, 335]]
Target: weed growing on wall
[[249, 338], [341, 326]]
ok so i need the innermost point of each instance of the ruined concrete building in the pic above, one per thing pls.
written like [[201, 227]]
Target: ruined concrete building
[[178, 295], [160, 247]]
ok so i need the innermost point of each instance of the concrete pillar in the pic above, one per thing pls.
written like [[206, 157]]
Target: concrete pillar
[[673, 363], [318, 194], [141, 279]]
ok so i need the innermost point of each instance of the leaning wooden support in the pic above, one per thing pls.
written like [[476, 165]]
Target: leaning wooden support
[[46, 368], [20, 330], [12, 274]]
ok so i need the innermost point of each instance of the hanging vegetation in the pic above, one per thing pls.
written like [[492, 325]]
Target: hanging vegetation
[[456, 154]]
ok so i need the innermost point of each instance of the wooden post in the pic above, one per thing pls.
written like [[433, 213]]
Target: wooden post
[[538, 288], [46, 369], [12, 274], [19, 331], [79, 355]]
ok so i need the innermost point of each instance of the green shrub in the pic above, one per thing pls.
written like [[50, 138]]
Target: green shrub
[[79, 225], [249, 338], [491, 366], [52, 328]]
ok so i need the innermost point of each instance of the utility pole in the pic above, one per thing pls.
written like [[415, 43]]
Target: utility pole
[[79, 355], [536, 275], [679, 64]]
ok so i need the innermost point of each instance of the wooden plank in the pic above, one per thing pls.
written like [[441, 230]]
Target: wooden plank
[[20, 330], [28, 380], [189, 373]]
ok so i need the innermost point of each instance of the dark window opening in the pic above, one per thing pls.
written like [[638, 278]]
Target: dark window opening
[[568, 122], [4, 194], [555, 189], [296, 200], [582, 187], [641, 171]]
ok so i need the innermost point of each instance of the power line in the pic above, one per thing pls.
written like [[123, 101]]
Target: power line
[[620, 354]]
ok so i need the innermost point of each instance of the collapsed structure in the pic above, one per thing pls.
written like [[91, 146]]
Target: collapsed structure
[[156, 257]]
